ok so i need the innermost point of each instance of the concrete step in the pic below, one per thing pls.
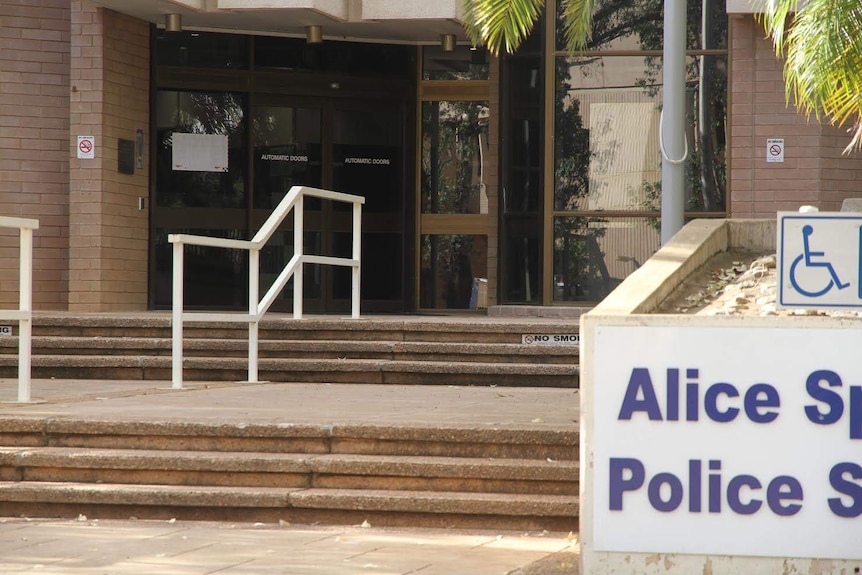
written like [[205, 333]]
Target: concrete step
[[379, 507], [327, 471], [301, 349], [468, 329], [378, 371], [444, 440]]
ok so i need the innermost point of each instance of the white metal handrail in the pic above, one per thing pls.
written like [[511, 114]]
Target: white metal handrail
[[24, 313], [293, 200]]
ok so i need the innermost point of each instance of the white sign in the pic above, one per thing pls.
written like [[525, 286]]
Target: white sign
[[551, 339], [5, 330], [775, 150], [86, 147], [705, 444], [819, 260], [199, 152]]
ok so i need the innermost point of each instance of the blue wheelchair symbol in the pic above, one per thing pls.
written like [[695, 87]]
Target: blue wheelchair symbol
[[811, 265]]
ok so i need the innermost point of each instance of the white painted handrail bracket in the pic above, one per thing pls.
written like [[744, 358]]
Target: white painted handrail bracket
[[24, 314], [292, 201]]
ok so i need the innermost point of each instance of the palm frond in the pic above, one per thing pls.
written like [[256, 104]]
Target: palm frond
[[500, 23], [578, 23], [823, 47]]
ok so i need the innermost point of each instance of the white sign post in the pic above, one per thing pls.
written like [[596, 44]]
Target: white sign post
[[819, 257], [704, 443]]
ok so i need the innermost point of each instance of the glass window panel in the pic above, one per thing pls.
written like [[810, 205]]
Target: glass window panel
[[366, 154], [606, 152], [639, 25], [462, 63], [522, 259], [381, 267], [286, 152], [522, 184], [221, 113], [347, 58], [594, 255], [452, 266], [202, 50], [275, 256], [214, 277], [454, 142]]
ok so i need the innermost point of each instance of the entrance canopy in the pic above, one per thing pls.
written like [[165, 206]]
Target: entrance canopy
[[414, 21]]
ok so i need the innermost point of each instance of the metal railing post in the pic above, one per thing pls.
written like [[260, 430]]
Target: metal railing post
[[177, 319], [298, 217], [25, 323], [253, 296], [357, 253]]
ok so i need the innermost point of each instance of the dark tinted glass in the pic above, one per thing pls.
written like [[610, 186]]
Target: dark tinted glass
[[606, 152], [594, 255], [460, 64], [452, 267], [454, 144], [639, 25], [366, 159], [200, 114], [213, 278], [287, 152], [349, 58], [202, 50]]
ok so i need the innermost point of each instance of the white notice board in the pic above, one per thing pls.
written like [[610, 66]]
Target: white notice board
[[199, 152]]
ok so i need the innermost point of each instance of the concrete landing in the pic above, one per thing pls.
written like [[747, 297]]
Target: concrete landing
[[510, 408]]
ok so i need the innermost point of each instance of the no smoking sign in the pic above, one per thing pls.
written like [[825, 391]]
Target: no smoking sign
[[86, 147], [775, 150]]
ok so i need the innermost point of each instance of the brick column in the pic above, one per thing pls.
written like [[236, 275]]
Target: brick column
[[34, 144], [110, 101]]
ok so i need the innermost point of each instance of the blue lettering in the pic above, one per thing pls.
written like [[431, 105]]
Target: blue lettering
[[776, 494], [753, 403], [691, 395], [675, 496], [694, 493], [711, 402], [733, 500], [619, 485], [640, 384], [714, 486], [855, 412], [672, 395], [845, 487], [830, 398]]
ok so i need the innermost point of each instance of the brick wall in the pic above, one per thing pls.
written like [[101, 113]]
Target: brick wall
[[110, 101], [814, 170], [34, 144]]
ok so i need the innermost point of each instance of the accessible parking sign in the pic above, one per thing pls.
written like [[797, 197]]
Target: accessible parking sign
[[819, 258]]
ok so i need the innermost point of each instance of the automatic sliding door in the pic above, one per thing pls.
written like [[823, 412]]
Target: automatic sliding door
[[367, 152], [287, 151]]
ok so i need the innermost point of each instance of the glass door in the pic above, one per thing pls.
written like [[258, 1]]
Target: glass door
[[354, 148]]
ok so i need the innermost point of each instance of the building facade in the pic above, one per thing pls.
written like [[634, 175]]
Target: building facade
[[530, 179]]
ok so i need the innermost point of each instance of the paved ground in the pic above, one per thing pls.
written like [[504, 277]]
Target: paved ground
[[296, 403], [88, 547]]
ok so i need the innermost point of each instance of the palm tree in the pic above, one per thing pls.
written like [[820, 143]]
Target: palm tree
[[505, 24], [823, 46]]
